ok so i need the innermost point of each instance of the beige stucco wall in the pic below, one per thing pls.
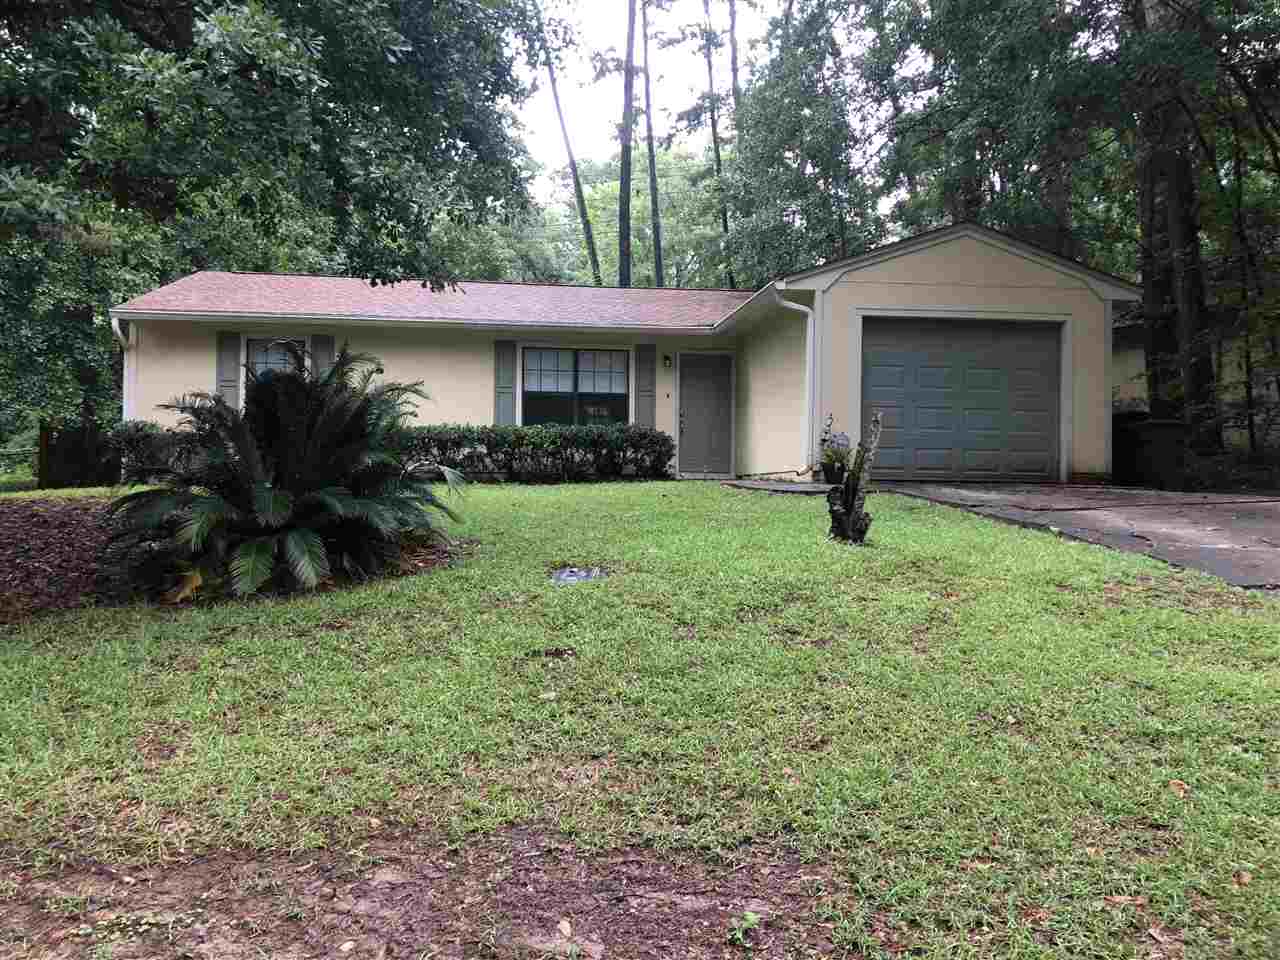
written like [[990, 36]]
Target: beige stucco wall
[[171, 357], [166, 359], [965, 277], [1128, 375], [770, 396]]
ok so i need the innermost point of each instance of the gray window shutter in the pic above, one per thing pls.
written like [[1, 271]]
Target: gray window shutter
[[646, 385], [228, 374], [504, 381], [322, 352]]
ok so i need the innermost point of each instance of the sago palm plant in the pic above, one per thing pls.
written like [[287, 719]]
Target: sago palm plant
[[304, 483]]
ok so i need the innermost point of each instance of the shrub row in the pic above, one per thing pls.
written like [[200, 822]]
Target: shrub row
[[538, 454], [545, 453], [143, 447]]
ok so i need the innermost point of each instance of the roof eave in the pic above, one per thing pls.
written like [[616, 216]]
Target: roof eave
[[356, 320]]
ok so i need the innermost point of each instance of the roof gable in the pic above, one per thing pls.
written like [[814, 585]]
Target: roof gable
[[958, 254]]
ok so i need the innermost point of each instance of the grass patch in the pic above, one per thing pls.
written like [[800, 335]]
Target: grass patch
[[27, 490], [984, 729]]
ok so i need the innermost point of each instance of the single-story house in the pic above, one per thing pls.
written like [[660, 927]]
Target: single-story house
[[988, 358]]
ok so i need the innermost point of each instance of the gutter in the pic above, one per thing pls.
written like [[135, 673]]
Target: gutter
[[350, 320], [810, 363]]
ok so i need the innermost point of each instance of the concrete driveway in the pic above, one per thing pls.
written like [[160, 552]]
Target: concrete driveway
[[1233, 536]]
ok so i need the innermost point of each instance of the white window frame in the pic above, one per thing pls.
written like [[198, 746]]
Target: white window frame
[[245, 337], [521, 346]]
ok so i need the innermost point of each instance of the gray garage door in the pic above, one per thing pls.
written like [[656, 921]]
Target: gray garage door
[[962, 399]]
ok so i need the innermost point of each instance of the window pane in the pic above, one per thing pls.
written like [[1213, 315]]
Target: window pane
[[548, 408], [602, 408], [271, 354], [567, 386]]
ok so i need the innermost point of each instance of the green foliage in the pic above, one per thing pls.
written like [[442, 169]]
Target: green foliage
[[546, 452], [795, 192], [740, 928], [147, 451], [303, 483], [315, 107], [140, 142], [691, 241], [56, 357]]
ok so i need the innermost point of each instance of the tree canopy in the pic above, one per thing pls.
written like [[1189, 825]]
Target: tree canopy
[[142, 139]]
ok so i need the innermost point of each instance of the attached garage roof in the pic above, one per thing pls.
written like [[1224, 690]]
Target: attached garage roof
[[216, 294], [1106, 285]]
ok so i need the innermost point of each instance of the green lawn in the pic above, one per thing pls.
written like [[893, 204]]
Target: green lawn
[[967, 720]]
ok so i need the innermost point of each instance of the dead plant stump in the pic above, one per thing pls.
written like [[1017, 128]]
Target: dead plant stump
[[847, 502]]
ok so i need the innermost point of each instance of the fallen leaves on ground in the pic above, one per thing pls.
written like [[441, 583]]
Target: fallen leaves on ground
[[48, 555]]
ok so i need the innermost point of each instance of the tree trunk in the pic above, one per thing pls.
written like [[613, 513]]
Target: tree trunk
[[579, 197], [1195, 328], [44, 476], [625, 132], [715, 138], [655, 211], [1161, 343], [733, 56], [847, 502], [1179, 326], [1250, 401]]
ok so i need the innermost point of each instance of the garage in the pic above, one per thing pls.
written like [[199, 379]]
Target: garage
[[963, 399]]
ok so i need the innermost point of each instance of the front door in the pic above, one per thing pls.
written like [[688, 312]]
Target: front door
[[706, 415]]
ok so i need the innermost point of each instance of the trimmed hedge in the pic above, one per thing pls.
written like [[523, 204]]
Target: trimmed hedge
[[541, 454], [545, 453], [146, 448]]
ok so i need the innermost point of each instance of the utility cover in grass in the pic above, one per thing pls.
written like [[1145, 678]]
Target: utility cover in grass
[[566, 575]]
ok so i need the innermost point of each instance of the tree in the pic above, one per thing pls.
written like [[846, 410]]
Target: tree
[[691, 241], [625, 133], [735, 82], [796, 198], [242, 136], [583, 216], [710, 40], [655, 212]]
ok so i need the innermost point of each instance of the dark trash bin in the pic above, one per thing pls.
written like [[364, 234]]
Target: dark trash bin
[[1147, 452]]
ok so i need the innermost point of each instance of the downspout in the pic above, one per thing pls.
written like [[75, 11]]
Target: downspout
[[810, 364], [126, 394], [120, 335]]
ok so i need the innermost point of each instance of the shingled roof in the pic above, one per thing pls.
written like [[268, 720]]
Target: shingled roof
[[213, 294]]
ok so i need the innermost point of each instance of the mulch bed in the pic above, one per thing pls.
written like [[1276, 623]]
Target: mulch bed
[[48, 555], [517, 893], [49, 551]]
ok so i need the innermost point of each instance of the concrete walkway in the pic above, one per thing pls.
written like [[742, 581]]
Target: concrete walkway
[[1233, 536], [781, 486]]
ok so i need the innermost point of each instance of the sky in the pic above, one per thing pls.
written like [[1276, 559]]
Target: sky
[[593, 108]]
